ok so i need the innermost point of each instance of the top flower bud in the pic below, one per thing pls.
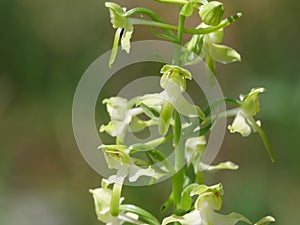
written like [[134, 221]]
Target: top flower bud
[[212, 13], [176, 75]]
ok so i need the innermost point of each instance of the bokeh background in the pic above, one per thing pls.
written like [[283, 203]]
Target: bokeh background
[[45, 46]]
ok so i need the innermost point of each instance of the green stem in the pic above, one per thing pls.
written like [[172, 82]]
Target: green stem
[[180, 28], [199, 178], [210, 107], [167, 203], [150, 14], [207, 30], [144, 11], [177, 186], [228, 113], [181, 2], [178, 178], [180, 33]]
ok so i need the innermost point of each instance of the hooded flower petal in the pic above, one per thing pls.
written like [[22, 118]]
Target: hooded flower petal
[[250, 102], [174, 74]]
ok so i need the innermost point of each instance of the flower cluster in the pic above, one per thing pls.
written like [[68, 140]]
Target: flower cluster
[[181, 125]]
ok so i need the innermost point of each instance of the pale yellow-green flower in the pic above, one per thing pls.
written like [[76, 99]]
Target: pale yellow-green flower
[[244, 122], [102, 200], [208, 201], [117, 157], [124, 29]]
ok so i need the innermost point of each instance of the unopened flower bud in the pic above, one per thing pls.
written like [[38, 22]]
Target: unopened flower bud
[[212, 13]]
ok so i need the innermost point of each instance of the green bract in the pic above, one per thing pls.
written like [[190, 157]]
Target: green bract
[[212, 13], [124, 29]]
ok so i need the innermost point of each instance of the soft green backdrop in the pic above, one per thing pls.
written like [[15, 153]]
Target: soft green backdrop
[[45, 46]]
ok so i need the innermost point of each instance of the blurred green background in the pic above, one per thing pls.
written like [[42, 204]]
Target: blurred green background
[[45, 46]]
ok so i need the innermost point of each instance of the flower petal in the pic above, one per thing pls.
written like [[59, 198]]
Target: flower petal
[[125, 40], [230, 219], [135, 172], [240, 125], [116, 107], [223, 54], [265, 221], [250, 103], [221, 166], [191, 218]]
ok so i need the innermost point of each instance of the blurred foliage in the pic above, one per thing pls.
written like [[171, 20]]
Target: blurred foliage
[[45, 46]]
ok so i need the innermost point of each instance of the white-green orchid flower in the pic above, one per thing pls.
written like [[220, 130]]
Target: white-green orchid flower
[[210, 200], [124, 29], [120, 117], [123, 118], [102, 199], [117, 157], [173, 81], [244, 122], [194, 149]]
